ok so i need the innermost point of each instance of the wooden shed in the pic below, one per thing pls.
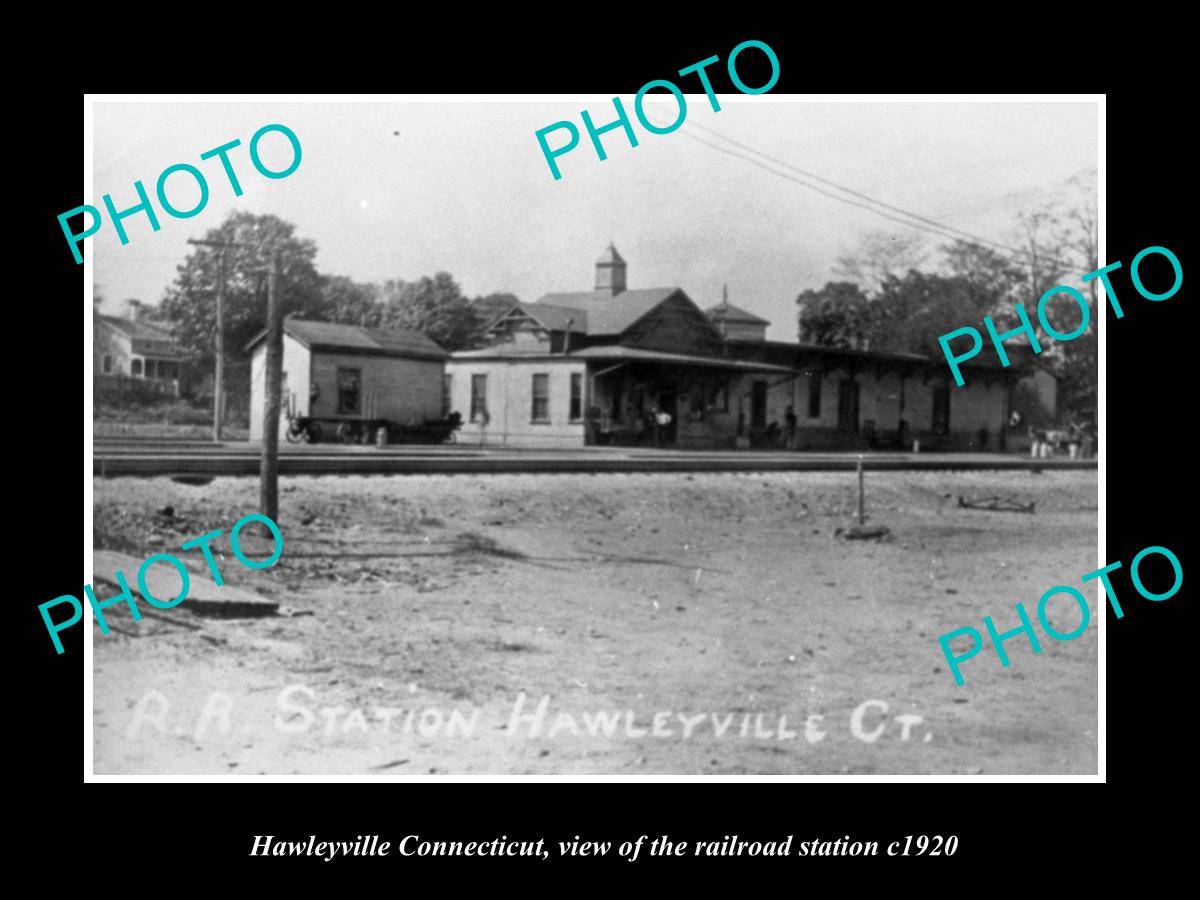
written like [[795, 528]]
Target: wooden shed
[[344, 373]]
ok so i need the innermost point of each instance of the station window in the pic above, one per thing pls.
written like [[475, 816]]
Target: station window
[[349, 390], [135, 367], [814, 395], [848, 397], [941, 410], [718, 397], [478, 397], [541, 397], [106, 364], [758, 404], [576, 396], [447, 392]]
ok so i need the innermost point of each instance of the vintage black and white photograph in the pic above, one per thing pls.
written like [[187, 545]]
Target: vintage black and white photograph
[[481, 439]]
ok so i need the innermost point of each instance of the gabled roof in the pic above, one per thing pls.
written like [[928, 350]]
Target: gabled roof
[[605, 314], [727, 312], [554, 318], [354, 339], [137, 330], [144, 338]]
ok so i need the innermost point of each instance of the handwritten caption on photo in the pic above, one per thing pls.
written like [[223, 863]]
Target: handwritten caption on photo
[[126, 596], [297, 712]]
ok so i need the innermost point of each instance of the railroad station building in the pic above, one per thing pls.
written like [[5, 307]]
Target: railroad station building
[[595, 367]]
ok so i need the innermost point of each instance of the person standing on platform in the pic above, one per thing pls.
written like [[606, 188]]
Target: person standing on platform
[[662, 423]]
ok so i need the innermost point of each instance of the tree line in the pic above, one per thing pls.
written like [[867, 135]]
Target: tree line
[[898, 293], [434, 304]]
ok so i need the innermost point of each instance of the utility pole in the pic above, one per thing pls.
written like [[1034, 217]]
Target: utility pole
[[269, 472], [219, 375]]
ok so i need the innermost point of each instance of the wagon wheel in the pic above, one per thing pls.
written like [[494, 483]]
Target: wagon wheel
[[295, 433], [312, 434], [347, 433]]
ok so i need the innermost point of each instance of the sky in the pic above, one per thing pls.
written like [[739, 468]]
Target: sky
[[401, 189]]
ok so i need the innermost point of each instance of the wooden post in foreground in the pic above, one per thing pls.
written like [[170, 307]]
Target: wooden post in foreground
[[219, 376], [269, 473], [861, 516]]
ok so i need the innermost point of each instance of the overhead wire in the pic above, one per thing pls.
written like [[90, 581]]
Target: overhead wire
[[871, 204]]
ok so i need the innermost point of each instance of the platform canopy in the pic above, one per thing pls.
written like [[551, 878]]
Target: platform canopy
[[618, 353]]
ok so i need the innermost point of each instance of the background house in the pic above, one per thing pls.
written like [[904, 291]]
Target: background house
[[129, 355]]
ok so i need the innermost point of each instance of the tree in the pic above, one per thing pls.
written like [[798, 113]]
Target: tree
[[1061, 240], [909, 313], [837, 315], [435, 306], [889, 304], [905, 315], [189, 304], [1077, 238], [881, 255], [986, 269], [348, 302]]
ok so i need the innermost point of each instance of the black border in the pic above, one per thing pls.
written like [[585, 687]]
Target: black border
[[1146, 452]]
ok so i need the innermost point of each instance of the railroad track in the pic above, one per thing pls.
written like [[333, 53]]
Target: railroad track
[[125, 460]]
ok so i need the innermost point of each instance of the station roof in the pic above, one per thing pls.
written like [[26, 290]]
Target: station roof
[[618, 353], [555, 318], [727, 312], [603, 312], [353, 339]]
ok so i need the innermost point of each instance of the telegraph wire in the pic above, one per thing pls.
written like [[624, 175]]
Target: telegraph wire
[[914, 220], [819, 190], [841, 187]]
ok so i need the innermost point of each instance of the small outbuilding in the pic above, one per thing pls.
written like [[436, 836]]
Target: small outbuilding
[[346, 374]]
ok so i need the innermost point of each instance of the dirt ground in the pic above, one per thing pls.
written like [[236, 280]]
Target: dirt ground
[[632, 624]]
